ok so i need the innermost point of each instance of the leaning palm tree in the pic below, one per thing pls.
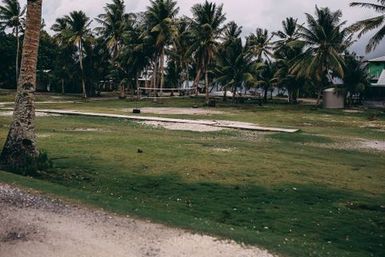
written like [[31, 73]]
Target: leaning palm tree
[[74, 29], [11, 17], [207, 26], [325, 40], [20, 145], [375, 23], [162, 29]]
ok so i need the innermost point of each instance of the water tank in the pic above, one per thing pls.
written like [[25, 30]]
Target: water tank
[[333, 99]]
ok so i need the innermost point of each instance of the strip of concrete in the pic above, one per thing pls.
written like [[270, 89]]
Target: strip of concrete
[[214, 123]]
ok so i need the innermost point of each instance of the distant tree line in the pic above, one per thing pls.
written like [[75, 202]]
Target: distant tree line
[[170, 49]]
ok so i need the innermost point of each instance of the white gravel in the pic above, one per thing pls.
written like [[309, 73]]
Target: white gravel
[[36, 226]]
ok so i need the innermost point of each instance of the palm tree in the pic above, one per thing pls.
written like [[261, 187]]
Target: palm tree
[[160, 20], [289, 33], [260, 44], [231, 33], [234, 66], [356, 78], [370, 24], [11, 17], [135, 54], [74, 29], [20, 146], [207, 26], [180, 53], [287, 48], [113, 23], [325, 40], [266, 77]]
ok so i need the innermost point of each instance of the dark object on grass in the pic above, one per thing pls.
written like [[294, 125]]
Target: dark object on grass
[[140, 151], [136, 111], [195, 106]]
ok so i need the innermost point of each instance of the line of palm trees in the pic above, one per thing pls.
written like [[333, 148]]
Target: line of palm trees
[[205, 47]]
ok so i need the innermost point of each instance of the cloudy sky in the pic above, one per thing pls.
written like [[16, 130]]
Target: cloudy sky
[[248, 13]]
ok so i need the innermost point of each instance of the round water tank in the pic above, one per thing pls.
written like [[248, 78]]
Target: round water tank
[[333, 99]]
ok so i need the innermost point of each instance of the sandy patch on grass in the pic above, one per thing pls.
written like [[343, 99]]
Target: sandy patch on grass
[[223, 150], [374, 145], [86, 130], [182, 126], [38, 114], [176, 111], [35, 226], [357, 144]]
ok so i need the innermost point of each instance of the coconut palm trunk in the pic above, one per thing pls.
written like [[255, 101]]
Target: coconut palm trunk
[[20, 146], [17, 53], [196, 81], [155, 78], [82, 69], [162, 71], [207, 85]]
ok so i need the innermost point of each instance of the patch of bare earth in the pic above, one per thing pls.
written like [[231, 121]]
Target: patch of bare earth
[[176, 111], [38, 114], [183, 126], [35, 226], [355, 144]]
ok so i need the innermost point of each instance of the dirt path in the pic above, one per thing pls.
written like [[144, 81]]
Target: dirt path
[[35, 226]]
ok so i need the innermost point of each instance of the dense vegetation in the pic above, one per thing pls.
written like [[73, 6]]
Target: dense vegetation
[[119, 48]]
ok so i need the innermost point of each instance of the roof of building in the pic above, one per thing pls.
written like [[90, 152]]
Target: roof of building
[[381, 80], [378, 59]]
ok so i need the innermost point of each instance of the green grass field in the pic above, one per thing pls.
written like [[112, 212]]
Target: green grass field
[[293, 194]]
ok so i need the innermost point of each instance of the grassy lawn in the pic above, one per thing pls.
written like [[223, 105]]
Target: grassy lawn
[[293, 194]]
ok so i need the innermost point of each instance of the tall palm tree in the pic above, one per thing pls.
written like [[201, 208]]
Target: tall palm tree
[[325, 40], [113, 23], [74, 29], [260, 44], [375, 23], [234, 66], [11, 17], [231, 33], [265, 77], [20, 146], [180, 52], [287, 48], [207, 26], [160, 20], [288, 34]]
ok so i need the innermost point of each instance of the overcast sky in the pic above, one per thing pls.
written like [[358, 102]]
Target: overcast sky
[[248, 13]]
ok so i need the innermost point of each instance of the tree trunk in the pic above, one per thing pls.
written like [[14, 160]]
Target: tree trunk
[[319, 97], [62, 87], [207, 85], [122, 94], [161, 72], [82, 70], [265, 94], [17, 53], [20, 146], [196, 81], [155, 75], [137, 85]]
